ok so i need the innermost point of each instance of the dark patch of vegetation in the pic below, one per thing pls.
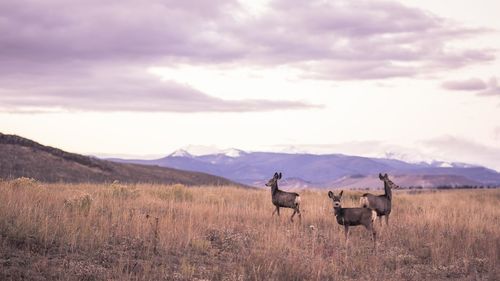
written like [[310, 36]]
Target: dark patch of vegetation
[[22, 157]]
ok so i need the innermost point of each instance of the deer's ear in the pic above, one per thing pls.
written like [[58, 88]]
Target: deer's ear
[[279, 176], [380, 176], [386, 176], [330, 194], [340, 194], [276, 175]]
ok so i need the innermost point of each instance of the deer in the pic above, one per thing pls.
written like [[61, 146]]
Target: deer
[[380, 203], [283, 199], [354, 217]]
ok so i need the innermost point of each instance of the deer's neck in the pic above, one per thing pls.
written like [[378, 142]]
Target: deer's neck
[[388, 192], [338, 211], [274, 189]]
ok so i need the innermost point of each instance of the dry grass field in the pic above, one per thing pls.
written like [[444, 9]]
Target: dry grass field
[[152, 232]]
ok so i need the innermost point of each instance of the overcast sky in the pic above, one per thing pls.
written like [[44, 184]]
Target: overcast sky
[[413, 80]]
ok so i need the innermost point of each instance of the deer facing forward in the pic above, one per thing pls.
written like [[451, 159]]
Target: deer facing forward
[[283, 199], [353, 217]]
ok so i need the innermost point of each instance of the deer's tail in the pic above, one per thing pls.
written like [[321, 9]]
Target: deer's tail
[[374, 216], [297, 200], [363, 201]]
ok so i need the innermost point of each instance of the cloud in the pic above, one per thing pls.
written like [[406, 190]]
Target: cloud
[[493, 88], [482, 88], [358, 40], [120, 31], [90, 55], [371, 148], [450, 148], [124, 93], [289, 32], [496, 133], [473, 84], [444, 148], [52, 50]]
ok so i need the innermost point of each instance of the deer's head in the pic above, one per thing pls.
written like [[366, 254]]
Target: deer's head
[[336, 199], [274, 180], [387, 181]]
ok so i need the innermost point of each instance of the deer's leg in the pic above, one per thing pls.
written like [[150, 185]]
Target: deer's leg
[[300, 214], [370, 227], [276, 210], [387, 219], [346, 233], [380, 220], [296, 210]]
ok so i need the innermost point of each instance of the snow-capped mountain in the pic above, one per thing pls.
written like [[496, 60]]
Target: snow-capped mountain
[[328, 170], [232, 152], [180, 153]]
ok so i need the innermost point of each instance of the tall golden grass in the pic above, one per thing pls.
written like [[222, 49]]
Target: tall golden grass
[[155, 232]]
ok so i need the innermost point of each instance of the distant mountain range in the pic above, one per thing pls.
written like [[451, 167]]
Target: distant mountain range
[[303, 170], [21, 157]]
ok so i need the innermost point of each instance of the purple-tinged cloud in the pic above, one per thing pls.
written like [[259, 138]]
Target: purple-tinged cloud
[[333, 39], [473, 84], [496, 133], [156, 32], [52, 49], [122, 93], [481, 87], [128, 31], [493, 88], [450, 148]]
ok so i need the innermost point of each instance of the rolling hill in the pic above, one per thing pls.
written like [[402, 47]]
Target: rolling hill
[[21, 157], [331, 170]]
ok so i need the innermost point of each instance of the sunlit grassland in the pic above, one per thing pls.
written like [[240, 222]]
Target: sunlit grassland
[[157, 232]]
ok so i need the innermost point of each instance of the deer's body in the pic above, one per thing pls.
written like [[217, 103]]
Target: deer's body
[[382, 204], [354, 217], [283, 199]]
